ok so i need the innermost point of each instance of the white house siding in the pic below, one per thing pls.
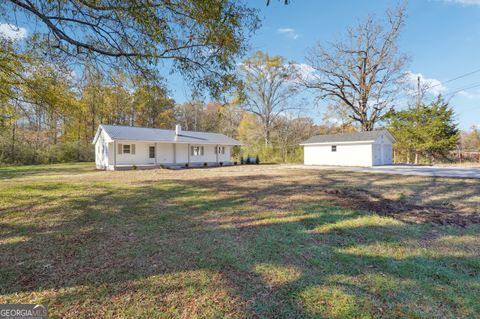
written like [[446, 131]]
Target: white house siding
[[165, 153], [181, 153], [101, 152], [209, 155], [141, 156], [225, 157], [346, 154], [170, 148]]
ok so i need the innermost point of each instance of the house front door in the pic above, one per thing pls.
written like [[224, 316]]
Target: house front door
[[151, 154]]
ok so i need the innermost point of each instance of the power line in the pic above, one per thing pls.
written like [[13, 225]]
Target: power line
[[454, 79], [463, 89]]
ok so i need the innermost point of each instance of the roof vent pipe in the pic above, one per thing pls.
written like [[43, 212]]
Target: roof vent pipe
[[178, 129]]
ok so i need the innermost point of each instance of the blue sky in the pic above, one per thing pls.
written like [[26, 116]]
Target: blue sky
[[442, 38]]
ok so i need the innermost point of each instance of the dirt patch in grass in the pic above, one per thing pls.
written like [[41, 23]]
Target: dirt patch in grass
[[405, 211], [411, 199]]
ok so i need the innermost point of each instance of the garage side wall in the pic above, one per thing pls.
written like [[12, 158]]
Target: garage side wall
[[345, 155], [382, 153]]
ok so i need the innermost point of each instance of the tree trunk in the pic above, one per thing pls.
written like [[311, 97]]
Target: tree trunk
[[13, 140], [78, 139], [416, 157], [267, 134], [37, 139]]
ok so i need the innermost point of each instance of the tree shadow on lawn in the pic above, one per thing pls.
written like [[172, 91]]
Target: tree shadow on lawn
[[428, 190], [11, 172], [277, 255]]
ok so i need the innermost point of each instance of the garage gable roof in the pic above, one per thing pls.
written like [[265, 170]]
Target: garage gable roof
[[368, 136], [132, 133]]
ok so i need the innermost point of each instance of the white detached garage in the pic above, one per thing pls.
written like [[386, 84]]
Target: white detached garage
[[349, 149]]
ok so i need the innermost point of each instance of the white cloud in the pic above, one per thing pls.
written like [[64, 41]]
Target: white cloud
[[304, 71], [428, 85], [289, 33], [12, 32], [466, 94], [464, 2], [470, 95]]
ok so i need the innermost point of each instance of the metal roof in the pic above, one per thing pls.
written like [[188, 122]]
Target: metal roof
[[132, 133], [367, 136]]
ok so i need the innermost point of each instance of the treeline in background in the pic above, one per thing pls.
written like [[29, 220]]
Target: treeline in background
[[81, 70], [51, 116]]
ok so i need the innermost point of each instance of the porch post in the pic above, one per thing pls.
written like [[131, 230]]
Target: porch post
[[188, 152], [114, 154], [155, 146], [174, 153], [217, 152]]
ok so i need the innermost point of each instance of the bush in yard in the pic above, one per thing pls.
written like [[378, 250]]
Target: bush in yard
[[242, 161], [68, 152], [248, 159], [205, 164], [221, 163], [23, 153], [257, 160], [134, 167]]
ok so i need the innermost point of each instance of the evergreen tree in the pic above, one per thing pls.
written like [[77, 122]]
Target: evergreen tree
[[428, 130]]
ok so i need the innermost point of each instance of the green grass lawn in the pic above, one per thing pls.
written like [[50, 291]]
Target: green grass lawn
[[235, 242]]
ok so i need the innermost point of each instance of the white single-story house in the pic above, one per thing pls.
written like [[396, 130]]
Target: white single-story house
[[125, 146], [349, 149]]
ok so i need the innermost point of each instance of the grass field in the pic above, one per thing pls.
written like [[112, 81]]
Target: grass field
[[238, 242]]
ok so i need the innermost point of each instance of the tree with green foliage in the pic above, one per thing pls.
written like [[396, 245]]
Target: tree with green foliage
[[200, 39], [426, 130], [153, 107]]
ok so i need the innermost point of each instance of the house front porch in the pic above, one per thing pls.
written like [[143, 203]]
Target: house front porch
[[172, 166]]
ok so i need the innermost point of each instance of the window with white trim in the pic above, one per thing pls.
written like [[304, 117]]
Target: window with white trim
[[126, 148], [196, 150], [219, 149], [151, 151]]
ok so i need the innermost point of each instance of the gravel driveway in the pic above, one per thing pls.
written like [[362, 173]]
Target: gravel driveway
[[460, 172]]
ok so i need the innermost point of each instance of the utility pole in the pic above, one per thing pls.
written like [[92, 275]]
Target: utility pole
[[418, 107], [418, 91]]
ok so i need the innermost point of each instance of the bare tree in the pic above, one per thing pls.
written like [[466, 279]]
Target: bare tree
[[362, 72], [291, 131], [268, 86]]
